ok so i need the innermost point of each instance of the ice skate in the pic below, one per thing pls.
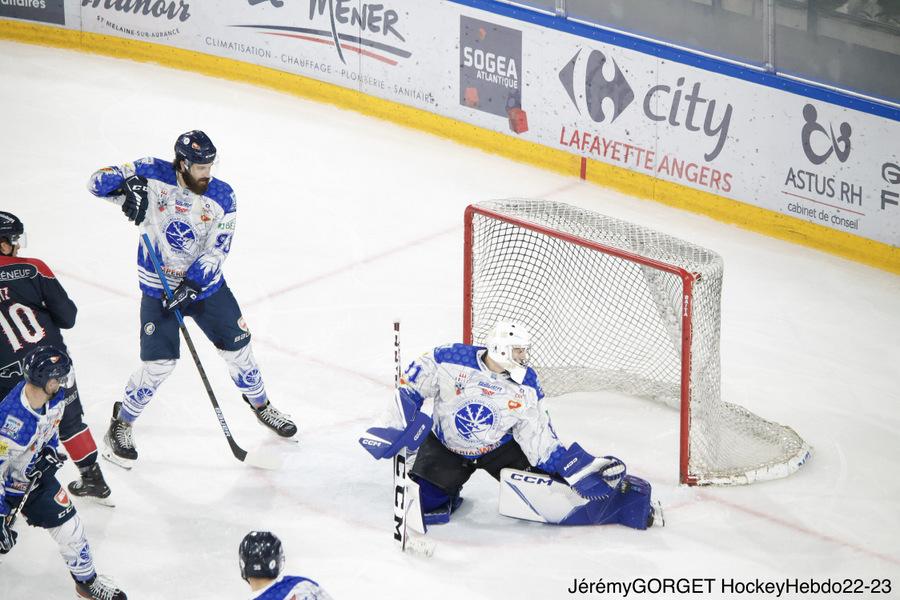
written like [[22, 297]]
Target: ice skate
[[274, 419], [119, 441], [99, 588], [92, 485]]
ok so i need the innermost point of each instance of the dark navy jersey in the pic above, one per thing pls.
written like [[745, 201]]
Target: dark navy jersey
[[33, 308]]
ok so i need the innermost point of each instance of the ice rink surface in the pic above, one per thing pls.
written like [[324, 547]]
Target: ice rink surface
[[346, 222]]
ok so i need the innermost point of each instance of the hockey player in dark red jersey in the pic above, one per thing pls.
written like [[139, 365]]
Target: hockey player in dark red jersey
[[34, 307]]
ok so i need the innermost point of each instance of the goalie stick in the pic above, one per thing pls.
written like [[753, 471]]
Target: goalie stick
[[255, 459], [404, 487]]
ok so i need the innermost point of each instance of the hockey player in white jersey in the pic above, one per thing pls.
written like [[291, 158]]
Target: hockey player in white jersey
[[488, 415], [190, 218], [29, 437], [262, 560]]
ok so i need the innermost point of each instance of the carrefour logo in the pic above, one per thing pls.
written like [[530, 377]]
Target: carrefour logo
[[597, 87]]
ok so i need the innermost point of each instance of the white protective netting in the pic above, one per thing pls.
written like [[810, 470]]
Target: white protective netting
[[602, 321]]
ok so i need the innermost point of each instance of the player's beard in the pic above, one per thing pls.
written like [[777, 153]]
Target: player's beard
[[198, 186]]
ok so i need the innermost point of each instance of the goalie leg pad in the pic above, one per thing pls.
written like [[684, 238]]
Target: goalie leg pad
[[541, 498], [437, 505]]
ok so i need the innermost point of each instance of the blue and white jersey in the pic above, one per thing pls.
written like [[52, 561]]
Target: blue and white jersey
[[192, 233], [292, 588], [477, 410], [23, 434]]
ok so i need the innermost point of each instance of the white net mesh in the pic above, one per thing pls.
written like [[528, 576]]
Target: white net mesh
[[605, 310]]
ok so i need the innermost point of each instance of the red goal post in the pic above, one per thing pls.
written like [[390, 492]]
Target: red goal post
[[617, 306]]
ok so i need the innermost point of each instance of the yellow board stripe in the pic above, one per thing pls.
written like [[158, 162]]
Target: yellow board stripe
[[846, 245]]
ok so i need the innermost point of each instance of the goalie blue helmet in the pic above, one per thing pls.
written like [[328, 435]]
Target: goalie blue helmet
[[195, 147], [261, 555], [45, 363]]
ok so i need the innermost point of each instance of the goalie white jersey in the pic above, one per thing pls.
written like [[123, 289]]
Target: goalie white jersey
[[192, 232], [477, 410]]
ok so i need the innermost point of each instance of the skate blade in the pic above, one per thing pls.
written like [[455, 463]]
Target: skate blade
[[117, 460], [294, 439], [108, 501]]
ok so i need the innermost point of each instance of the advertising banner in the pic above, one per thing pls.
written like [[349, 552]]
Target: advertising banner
[[44, 11], [766, 147]]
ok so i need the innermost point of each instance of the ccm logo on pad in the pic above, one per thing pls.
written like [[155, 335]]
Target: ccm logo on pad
[[532, 479]]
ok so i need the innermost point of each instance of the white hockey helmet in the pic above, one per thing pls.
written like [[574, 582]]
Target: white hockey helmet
[[502, 340]]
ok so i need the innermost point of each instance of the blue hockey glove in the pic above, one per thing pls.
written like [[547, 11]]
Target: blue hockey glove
[[591, 477], [7, 535], [47, 463], [184, 294], [137, 197], [386, 442]]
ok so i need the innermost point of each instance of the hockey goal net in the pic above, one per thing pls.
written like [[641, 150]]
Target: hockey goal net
[[616, 306]]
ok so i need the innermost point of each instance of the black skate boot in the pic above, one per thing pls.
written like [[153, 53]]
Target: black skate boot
[[99, 588], [273, 418], [92, 485], [119, 441]]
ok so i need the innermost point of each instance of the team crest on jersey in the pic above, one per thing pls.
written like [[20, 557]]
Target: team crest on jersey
[[180, 236], [460, 383], [11, 426], [473, 420]]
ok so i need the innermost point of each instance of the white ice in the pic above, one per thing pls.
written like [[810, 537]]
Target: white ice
[[346, 222]]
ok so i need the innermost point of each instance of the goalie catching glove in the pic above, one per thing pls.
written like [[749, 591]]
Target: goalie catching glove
[[408, 428], [590, 477]]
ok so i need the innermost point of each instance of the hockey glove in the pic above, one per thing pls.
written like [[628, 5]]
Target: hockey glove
[[590, 477], [137, 197], [47, 463], [386, 442], [7, 535], [184, 294]]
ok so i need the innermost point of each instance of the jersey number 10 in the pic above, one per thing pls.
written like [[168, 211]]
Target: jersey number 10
[[26, 322]]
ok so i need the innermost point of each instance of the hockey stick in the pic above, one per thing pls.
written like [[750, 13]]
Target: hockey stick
[[402, 498], [256, 460]]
